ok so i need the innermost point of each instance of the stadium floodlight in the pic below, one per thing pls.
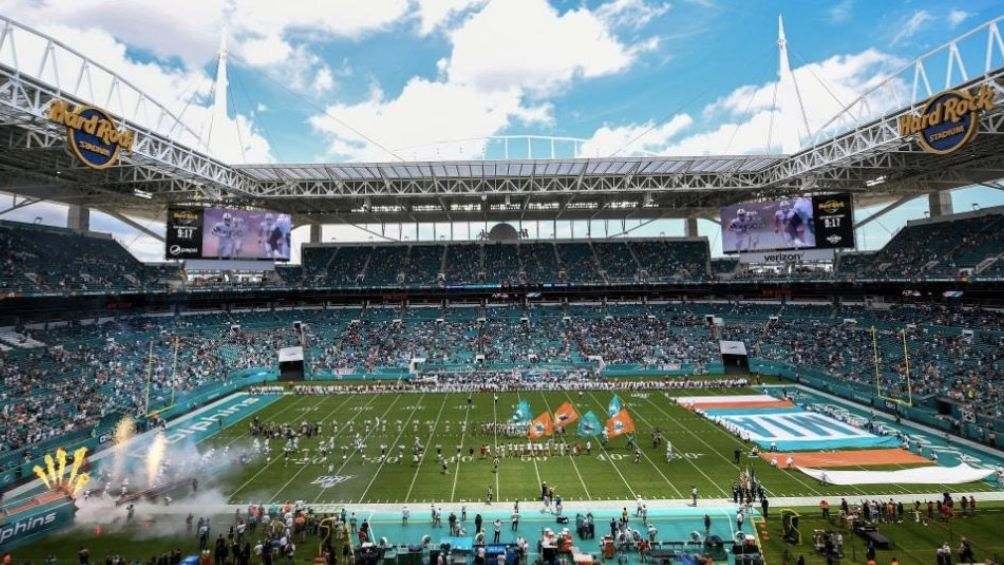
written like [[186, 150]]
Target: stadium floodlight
[[875, 182], [142, 194]]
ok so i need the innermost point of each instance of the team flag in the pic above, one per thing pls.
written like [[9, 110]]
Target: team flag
[[565, 415], [522, 412], [615, 406], [619, 424], [541, 426], [589, 425]]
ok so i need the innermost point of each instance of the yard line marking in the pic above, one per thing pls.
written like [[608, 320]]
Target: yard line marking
[[268, 464], [495, 450], [645, 455], [728, 435], [425, 450], [368, 434], [616, 469], [536, 469], [574, 466], [238, 422], [395, 442], [308, 463], [463, 434]]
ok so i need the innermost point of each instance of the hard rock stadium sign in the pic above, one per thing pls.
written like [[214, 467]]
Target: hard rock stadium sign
[[91, 134], [949, 120]]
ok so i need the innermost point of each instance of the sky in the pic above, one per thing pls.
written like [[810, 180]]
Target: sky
[[384, 80]]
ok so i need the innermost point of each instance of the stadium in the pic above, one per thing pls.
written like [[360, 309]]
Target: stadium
[[489, 348]]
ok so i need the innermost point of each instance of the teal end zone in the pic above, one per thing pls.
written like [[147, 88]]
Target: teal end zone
[[227, 412]]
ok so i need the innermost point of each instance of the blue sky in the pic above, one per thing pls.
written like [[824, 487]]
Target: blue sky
[[382, 79]]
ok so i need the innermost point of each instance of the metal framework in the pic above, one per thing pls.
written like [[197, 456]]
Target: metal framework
[[858, 150]]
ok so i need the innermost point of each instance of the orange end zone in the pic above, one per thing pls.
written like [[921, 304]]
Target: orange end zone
[[853, 458], [741, 404]]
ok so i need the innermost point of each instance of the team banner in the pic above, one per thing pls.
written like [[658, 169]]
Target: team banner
[[184, 234], [522, 412], [620, 424], [589, 425], [615, 406], [565, 415], [541, 426]]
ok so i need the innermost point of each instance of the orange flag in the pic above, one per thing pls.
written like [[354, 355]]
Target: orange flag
[[541, 426], [565, 415], [620, 423]]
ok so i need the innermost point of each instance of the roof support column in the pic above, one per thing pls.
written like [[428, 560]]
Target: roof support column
[[940, 203], [315, 233], [78, 219], [690, 226]]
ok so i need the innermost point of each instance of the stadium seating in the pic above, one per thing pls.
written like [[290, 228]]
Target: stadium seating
[[935, 248], [41, 259], [100, 371]]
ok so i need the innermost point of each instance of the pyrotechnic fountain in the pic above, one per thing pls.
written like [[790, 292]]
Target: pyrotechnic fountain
[[124, 432], [35, 516], [155, 458], [55, 471]]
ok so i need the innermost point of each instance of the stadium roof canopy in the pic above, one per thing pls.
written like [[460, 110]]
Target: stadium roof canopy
[[859, 150]]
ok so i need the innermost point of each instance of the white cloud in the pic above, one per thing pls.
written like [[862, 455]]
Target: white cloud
[[527, 44], [841, 11], [912, 25], [265, 50], [633, 139], [267, 34], [956, 17], [507, 59], [746, 121], [190, 29], [631, 13], [433, 14], [425, 112]]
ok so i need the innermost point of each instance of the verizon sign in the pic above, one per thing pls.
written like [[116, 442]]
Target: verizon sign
[[793, 256]]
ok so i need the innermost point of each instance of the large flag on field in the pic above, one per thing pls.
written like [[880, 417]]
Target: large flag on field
[[522, 412], [565, 415], [589, 425], [621, 423], [615, 406], [541, 426]]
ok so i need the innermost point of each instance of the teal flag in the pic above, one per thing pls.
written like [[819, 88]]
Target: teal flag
[[589, 425], [615, 406], [522, 412]]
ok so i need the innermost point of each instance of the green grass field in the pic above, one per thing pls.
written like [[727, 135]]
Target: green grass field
[[705, 454]]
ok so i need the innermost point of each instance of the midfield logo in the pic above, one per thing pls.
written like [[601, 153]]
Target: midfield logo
[[328, 481]]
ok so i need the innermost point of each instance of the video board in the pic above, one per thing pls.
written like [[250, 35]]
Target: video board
[[227, 233], [798, 222]]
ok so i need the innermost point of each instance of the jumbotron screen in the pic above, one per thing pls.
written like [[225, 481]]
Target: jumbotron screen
[[225, 233], [798, 222]]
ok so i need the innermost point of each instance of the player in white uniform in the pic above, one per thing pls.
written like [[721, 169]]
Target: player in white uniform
[[264, 233], [229, 232], [744, 225], [792, 221]]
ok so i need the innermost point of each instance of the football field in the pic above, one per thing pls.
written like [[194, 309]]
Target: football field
[[444, 421]]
